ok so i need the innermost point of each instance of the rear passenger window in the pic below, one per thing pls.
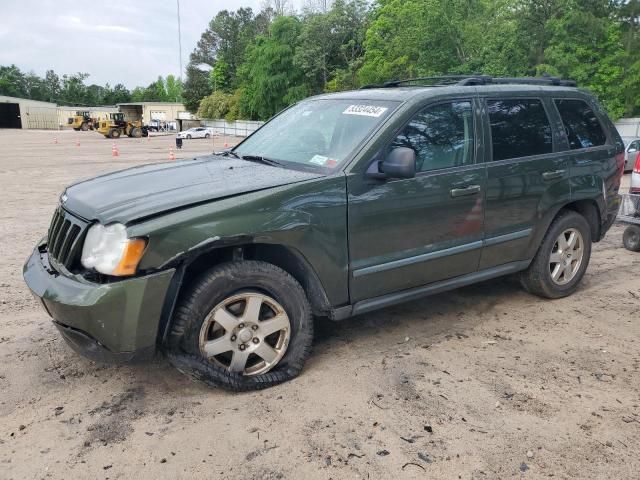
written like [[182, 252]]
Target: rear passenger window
[[519, 128], [441, 135], [581, 124]]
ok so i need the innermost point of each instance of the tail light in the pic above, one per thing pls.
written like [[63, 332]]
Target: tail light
[[636, 167]]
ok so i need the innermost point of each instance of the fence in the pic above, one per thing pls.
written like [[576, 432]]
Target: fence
[[239, 128]]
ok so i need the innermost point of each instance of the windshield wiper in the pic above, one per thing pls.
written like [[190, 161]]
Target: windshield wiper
[[265, 160]]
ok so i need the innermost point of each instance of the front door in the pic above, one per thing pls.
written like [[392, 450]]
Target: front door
[[411, 232]]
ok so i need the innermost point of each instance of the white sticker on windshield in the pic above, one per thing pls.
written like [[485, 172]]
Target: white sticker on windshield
[[365, 110], [319, 160]]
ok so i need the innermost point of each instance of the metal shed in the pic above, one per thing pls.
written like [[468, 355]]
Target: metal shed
[[148, 112], [24, 113]]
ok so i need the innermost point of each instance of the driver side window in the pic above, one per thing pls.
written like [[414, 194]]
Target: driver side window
[[441, 135]]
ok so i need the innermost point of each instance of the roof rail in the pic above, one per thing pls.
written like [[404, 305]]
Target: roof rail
[[471, 80]]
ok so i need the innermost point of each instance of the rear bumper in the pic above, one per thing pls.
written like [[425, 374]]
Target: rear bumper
[[110, 322]]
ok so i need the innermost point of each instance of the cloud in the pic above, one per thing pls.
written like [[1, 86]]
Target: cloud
[[131, 42]]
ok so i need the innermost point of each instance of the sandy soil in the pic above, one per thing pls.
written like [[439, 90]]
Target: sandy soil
[[480, 383]]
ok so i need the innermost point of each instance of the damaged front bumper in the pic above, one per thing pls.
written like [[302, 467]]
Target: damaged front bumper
[[107, 322]]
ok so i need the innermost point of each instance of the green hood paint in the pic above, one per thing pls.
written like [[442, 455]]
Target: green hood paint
[[142, 192]]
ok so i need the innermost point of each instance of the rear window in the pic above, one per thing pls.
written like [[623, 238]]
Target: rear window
[[581, 124], [519, 128]]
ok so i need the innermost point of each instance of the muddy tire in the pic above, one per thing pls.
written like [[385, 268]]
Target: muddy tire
[[562, 258], [631, 238], [243, 325]]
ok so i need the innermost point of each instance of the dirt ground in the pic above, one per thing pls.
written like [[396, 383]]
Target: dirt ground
[[480, 383]]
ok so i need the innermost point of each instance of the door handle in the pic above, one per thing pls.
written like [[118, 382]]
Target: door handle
[[461, 192], [553, 174]]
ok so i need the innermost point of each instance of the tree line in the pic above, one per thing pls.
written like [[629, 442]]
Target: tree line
[[73, 89], [249, 65]]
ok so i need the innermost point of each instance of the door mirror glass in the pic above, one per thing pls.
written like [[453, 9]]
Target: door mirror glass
[[400, 163]]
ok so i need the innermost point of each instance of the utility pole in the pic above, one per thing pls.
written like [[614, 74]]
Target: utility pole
[[179, 39]]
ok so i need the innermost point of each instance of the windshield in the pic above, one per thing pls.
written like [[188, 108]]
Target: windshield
[[316, 133]]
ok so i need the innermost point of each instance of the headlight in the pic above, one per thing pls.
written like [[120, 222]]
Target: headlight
[[109, 251]]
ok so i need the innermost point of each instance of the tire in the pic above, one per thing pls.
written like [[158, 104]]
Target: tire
[[538, 279], [631, 238], [207, 135], [84, 127], [114, 133], [136, 132], [216, 290], [189, 137]]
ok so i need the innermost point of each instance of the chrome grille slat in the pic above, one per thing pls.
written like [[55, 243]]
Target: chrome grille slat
[[65, 237], [72, 233], [74, 248], [59, 238]]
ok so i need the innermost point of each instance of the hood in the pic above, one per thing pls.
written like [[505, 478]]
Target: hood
[[147, 190]]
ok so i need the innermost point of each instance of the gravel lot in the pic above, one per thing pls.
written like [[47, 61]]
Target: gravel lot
[[480, 383]]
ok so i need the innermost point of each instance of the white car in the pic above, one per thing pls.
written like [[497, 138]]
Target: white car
[[197, 132]]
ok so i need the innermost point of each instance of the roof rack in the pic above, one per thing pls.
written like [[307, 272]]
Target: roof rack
[[472, 80]]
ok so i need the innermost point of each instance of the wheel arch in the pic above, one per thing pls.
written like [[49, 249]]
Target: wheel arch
[[589, 209], [284, 257]]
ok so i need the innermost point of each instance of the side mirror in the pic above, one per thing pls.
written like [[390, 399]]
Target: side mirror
[[400, 163]]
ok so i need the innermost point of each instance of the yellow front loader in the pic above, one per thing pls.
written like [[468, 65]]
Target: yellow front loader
[[116, 126], [82, 121]]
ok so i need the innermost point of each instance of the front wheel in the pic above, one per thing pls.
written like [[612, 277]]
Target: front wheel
[[562, 259], [631, 238], [244, 325], [189, 137]]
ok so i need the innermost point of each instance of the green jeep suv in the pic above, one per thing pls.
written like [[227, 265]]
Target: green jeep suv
[[340, 205]]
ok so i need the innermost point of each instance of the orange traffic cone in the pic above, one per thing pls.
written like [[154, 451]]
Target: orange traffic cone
[[171, 155], [55, 140], [78, 143], [114, 151]]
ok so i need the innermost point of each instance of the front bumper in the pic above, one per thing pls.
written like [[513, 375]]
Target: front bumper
[[110, 322]]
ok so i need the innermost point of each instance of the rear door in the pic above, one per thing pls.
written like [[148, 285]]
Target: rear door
[[526, 174], [405, 233]]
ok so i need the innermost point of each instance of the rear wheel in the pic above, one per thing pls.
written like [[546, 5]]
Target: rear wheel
[[206, 135], [631, 238], [562, 259], [114, 133], [136, 132], [243, 325], [84, 127]]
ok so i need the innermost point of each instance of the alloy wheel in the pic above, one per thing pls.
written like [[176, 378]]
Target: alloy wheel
[[566, 256], [246, 333]]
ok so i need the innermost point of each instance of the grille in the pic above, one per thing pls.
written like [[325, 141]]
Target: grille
[[65, 238]]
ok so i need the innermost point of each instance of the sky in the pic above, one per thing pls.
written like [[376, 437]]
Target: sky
[[117, 41]]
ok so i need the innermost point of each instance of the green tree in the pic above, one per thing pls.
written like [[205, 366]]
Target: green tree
[[272, 80], [173, 87], [196, 87], [12, 82]]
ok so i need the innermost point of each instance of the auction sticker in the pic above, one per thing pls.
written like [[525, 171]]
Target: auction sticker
[[365, 110], [319, 160]]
